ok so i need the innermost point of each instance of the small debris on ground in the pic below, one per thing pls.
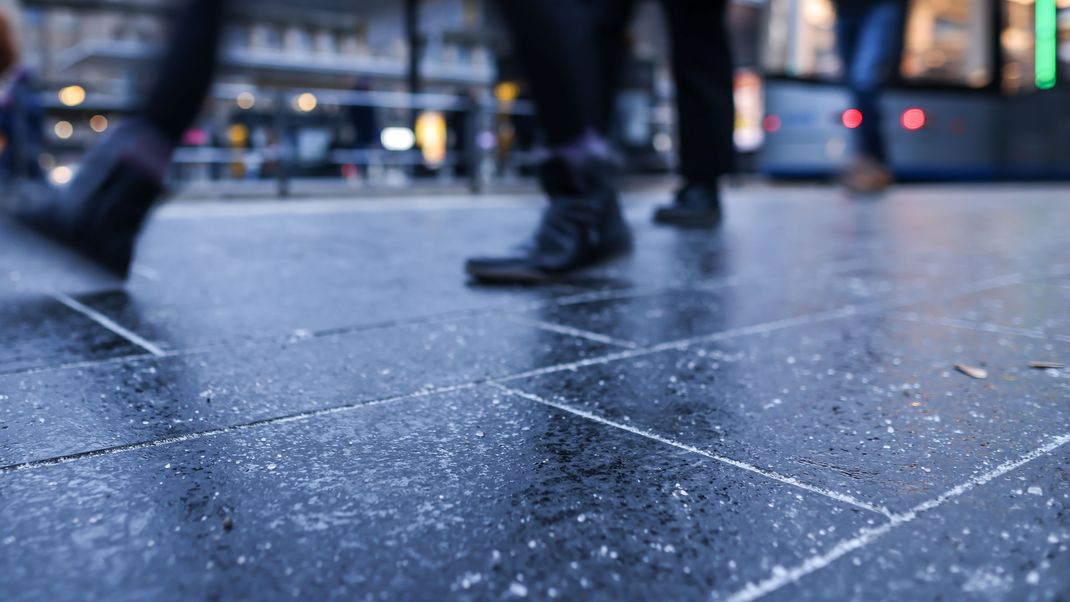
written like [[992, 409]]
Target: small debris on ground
[[480, 434], [228, 524], [1047, 365], [972, 371]]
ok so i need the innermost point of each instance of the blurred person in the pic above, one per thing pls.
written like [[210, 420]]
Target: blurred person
[[101, 212], [21, 118], [870, 39], [574, 82], [703, 71]]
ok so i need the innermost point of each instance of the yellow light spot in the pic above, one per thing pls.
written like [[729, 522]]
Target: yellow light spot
[[246, 100], [507, 91], [238, 135], [306, 103], [99, 123], [63, 130], [431, 136], [61, 175], [72, 96]]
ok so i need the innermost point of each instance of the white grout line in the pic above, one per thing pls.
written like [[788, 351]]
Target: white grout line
[[978, 326], [754, 591], [574, 332], [840, 497], [683, 344], [111, 451], [108, 323]]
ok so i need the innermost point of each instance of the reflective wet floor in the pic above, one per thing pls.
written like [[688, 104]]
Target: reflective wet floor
[[827, 399]]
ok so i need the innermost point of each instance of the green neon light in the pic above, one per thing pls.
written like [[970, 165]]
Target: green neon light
[[1047, 36]]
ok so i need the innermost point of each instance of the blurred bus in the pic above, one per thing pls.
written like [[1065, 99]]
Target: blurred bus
[[964, 104]]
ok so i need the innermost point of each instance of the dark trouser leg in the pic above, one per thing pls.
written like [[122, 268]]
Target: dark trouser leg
[[101, 213], [583, 223], [702, 67], [871, 44], [186, 69], [553, 41], [611, 19]]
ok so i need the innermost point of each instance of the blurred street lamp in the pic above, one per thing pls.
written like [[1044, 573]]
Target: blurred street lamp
[[60, 175], [306, 103], [72, 96], [397, 138], [246, 100], [63, 130], [98, 123]]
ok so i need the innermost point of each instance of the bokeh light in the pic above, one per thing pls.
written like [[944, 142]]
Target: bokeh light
[[61, 175], [852, 119], [72, 96], [306, 103], [913, 119], [397, 138], [246, 100], [63, 130], [98, 123]]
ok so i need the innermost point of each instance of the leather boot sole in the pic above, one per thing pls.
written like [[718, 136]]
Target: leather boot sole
[[672, 216], [526, 274]]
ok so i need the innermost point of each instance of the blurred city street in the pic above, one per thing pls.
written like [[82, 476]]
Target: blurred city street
[[825, 399]]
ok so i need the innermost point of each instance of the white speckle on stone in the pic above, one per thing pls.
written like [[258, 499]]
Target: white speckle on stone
[[518, 589], [1034, 490], [1032, 578]]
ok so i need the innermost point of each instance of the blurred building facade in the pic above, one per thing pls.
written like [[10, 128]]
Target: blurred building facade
[[321, 89]]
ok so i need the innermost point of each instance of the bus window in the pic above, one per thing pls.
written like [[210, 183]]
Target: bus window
[[949, 42], [802, 39], [1019, 50]]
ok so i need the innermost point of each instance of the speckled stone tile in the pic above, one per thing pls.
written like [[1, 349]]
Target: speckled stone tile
[[54, 413], [38, 331], [867, 406], [1037, 306], [1007, 540], [467, 496], [236, 277]]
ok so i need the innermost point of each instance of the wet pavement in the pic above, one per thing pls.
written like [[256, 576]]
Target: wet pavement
[[305, 400]]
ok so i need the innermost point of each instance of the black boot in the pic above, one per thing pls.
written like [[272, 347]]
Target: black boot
[[102, 211], [696, 205], [582, 226]]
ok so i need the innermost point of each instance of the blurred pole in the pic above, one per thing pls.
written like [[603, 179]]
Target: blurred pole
[[412, 34], [473, 155], [282, 159]]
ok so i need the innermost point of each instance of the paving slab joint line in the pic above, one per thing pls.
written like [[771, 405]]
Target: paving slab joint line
[[109, 324], [768, 474], [976, 326], [574, 332], [118, 449], [563, 300], [784, 577]]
